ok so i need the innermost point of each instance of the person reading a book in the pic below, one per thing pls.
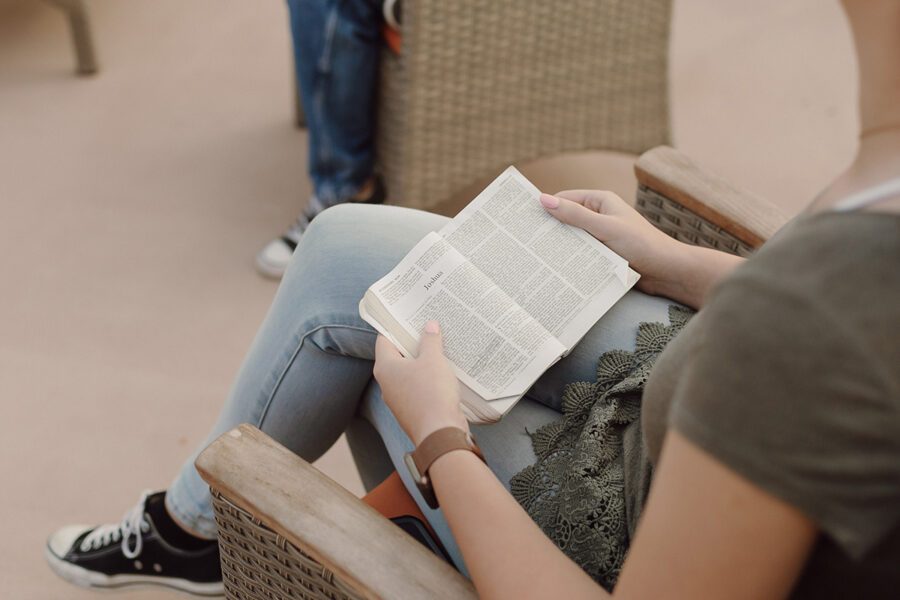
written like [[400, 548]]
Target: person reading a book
[[769, 426]]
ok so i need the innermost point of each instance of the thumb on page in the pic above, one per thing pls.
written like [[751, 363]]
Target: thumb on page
[[431, 342]]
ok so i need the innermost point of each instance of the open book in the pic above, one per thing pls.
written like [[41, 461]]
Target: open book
[[512, 288]]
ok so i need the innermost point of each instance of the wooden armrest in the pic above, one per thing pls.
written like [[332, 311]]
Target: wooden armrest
[[325, 521], [671, 174]]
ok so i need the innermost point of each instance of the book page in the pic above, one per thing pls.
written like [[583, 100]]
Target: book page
[[497, 348], [561, 275]]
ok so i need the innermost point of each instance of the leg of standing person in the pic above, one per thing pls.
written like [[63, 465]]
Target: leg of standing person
[[336, 45], [302, 382]]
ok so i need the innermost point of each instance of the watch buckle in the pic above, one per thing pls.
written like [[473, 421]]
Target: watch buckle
[[421, 481]]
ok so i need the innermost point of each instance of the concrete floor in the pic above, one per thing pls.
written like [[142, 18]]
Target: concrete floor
[[133, 203]]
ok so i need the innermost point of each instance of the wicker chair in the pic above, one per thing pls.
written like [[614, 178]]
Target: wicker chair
[[483, 84], [287, 531]]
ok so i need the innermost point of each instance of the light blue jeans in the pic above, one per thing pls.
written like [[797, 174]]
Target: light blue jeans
[[309, 370]]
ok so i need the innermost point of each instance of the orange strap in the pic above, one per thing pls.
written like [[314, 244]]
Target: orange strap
[[392, 499], [392, 37]]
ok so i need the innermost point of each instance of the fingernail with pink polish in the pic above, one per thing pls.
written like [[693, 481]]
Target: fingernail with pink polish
[[432, 327], [549, 201]]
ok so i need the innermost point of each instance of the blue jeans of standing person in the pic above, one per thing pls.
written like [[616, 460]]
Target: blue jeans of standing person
[[309, 370], [336, 45]]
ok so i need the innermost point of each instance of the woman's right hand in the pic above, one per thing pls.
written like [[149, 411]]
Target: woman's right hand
[[611, 220]]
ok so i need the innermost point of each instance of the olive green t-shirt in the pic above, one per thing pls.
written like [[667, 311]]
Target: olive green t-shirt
[[790, 376]]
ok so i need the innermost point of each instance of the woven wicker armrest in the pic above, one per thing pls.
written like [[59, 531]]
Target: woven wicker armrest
[[697, 207], [340, 539]]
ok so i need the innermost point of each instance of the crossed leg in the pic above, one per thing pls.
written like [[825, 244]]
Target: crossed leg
[[309, 370]]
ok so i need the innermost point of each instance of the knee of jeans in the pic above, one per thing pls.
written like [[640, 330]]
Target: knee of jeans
[[377, 234], [339, 220]]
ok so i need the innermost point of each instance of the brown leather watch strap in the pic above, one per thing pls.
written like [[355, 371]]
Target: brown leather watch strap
[[441, 442], [433, 447]]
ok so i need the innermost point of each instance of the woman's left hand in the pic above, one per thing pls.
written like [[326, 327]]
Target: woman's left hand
[[422, 392]]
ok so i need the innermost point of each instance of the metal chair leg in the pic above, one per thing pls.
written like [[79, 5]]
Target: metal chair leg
[[81, 34], [299, 114]]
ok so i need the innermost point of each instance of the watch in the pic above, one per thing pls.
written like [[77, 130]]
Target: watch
[[433, 447]]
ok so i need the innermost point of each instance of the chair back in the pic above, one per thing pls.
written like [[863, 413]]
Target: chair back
[[482, 84]]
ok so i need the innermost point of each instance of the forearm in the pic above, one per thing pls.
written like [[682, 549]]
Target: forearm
[[693, 273], [506, 553]]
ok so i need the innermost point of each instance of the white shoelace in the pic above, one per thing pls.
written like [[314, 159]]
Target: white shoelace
[[133, 524]]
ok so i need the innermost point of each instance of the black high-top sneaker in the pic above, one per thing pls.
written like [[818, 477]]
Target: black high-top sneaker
[[132, 554]]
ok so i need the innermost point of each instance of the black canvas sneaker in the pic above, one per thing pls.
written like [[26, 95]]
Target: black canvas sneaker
[[132, 554]]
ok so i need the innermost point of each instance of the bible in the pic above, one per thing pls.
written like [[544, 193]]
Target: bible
[[512, 288]]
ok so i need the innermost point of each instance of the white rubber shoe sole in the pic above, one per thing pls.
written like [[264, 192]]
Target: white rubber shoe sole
[[100, 581], [273, 259]]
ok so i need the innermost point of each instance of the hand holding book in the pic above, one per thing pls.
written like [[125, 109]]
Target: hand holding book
[[422, 392], [513, 288], [669, 268]]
